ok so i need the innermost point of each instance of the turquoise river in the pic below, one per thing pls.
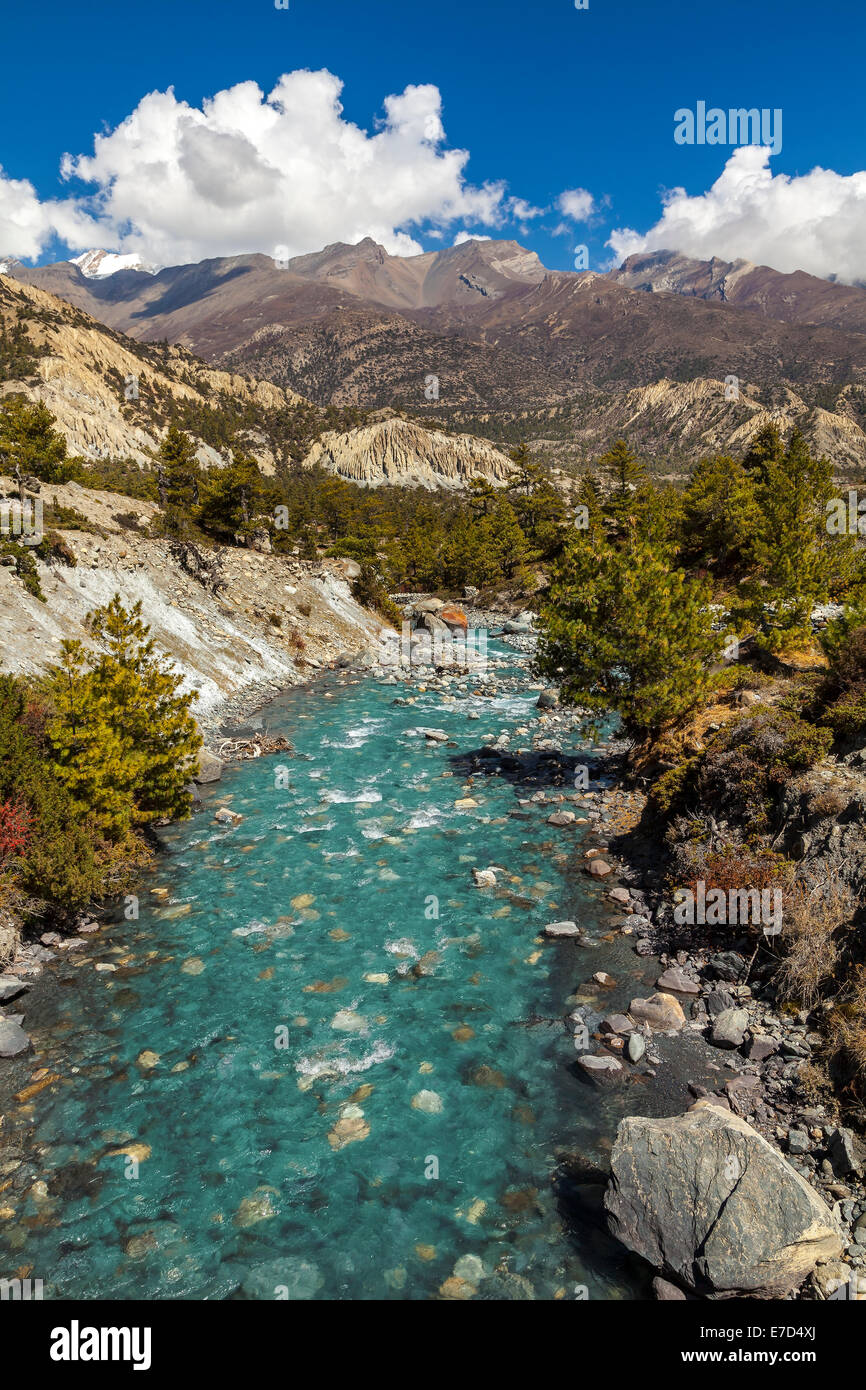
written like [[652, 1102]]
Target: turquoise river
[[322, 1063]]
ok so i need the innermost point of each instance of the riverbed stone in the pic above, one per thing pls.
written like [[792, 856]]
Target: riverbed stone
[[662, 1012], [599, 868], [676, 979], [210, 767], [561, 818], [13, 1040], [559, 930], [600, 1069], [636, 1047], [729, 1028], [11, 987], [617, 1023], [843, 1150], [706, 1200]]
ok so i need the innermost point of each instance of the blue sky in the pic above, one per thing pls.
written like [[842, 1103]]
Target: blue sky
[[545, 98]]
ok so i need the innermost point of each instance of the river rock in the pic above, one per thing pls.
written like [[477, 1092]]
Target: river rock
[[484, 878], [707, 1202], [210, 767], [599, 868], [620, 895], [11, 987], [13, 1040], [636, 1047], [227, 817], [561, 818], [728, 966], [844, 1157], [678, 980], [548, 699], [729, 1028], [454, 617], [562, 929], [617, 1023], [662, 1012], [718, 1000], [600, 1069]]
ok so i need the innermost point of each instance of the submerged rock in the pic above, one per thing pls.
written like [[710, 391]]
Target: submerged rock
[[562, 929], [706, 1201]]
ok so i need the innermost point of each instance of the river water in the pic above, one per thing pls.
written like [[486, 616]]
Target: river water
[[324, 1063]]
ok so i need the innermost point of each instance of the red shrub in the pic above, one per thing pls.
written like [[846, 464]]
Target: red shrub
[[15, 829]]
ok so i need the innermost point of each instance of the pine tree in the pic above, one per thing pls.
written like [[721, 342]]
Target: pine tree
[[232, 498], [621, 630], [29, 444], [627, 477], [766, 449], [720, 515], [179, 482], [121, 736], [794, 557]]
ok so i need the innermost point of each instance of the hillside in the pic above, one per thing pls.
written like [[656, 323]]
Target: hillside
[[518, 351]]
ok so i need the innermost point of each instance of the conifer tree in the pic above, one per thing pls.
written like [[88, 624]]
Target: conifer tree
[[624, 631], [232, 498], [179, 482], [29, 444], [720, 515], [121, 735], [795, 558]]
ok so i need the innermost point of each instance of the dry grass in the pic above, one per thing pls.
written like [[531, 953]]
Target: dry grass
[[847, 1034], [812, 919], [9, 934]]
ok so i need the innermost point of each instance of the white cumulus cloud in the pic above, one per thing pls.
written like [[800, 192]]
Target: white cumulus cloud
[[814, 222], [246, 171], [576, 203]]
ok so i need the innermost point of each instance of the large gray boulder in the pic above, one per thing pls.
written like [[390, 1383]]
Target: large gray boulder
[[210, 767], [709, 1203]]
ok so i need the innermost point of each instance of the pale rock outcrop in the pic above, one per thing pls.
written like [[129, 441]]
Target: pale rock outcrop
[[398, 451]]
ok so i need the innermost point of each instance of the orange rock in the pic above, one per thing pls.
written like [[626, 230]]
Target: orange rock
[[454, 617]]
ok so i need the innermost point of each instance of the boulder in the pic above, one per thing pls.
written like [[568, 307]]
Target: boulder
[[210, 767], [617, 1023], [599, 868], [435, 625], [678, 980], [662, 1012], [454, 617], [844, 1156], [548, 699], [562, 929], [729, 1028], [13, 1040], [484, 878], [636, 1047], [11, 987], [561, 818], [600, 1069], [710, 1204]]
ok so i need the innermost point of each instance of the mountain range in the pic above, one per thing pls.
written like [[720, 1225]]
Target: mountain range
[[482, 338]]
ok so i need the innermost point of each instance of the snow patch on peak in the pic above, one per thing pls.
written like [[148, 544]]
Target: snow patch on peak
[[97, 265]]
